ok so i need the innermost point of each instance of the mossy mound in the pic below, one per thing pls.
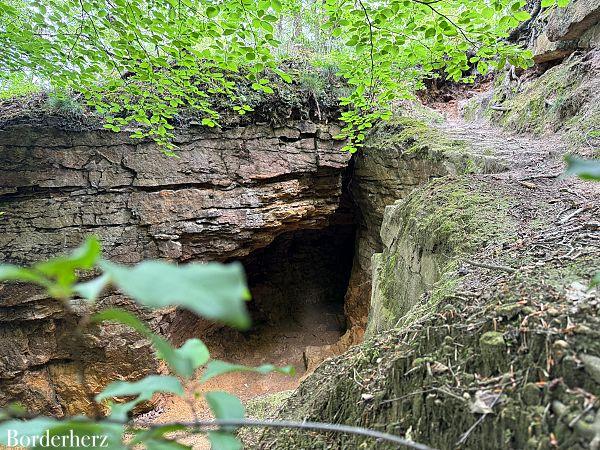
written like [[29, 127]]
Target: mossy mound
[[415, 136], [425, 235], [503, 358]]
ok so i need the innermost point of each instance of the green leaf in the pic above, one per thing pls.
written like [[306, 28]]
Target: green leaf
[[284, 76], [194, 351], [216, 368], [155, 434], [63, 269], [143, 390], [212, 11], [57, 275], [146, 386], [9, 272], [224, 405], [482, 67], [586, 169], [184, 361], [120, 411], [124, 317], [214, 291], [595, 280], [90, 290], [223, 441], [522, 15]]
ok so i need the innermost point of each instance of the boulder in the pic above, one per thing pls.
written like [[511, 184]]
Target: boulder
[[545, 50], [566, 24]]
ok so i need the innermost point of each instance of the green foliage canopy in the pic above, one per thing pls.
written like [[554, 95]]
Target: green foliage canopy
[[139, 63]]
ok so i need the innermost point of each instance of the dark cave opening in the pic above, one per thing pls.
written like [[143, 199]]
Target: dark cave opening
[[299, 281], [298, 284]]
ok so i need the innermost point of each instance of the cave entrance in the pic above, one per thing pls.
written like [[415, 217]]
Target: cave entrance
[[298, 284], [299, 281]]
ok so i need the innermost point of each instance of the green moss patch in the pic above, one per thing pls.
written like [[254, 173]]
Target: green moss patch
[[415, 136], [426, 236]]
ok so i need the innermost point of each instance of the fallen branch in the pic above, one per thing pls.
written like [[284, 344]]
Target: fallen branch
[[573, 214], [528, 185], [500, 108], [490, 266], [536, 177]]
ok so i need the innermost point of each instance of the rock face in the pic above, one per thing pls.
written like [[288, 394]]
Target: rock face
[[227, 194], [468, 342], [566, 24], [224, 195], [545, 50], [568, 29], [398, 157]]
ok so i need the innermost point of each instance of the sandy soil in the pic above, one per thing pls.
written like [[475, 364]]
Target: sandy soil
[[280, 343]]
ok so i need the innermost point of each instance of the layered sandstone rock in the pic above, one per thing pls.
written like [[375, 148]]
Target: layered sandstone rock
[[567, 30], [228, 192]]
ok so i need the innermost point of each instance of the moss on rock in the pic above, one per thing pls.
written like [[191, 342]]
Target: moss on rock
[[425, 235], [415, 136]]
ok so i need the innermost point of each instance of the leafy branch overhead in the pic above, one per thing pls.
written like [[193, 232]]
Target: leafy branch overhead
[[141, 64]]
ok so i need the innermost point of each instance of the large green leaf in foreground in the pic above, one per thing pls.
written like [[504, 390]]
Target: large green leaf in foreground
[[586, 169], [183, 361], [214, 291]]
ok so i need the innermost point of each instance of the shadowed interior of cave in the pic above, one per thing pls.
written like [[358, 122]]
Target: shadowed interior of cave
[[299, 281], [298, 284]]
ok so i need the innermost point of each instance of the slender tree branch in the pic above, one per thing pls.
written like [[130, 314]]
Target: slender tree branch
[[454, 24], [371, 85], [516, 33], [206, 425], [318, 426]]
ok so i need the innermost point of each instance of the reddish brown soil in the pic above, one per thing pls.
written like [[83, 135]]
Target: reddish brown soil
[[281, 344]]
